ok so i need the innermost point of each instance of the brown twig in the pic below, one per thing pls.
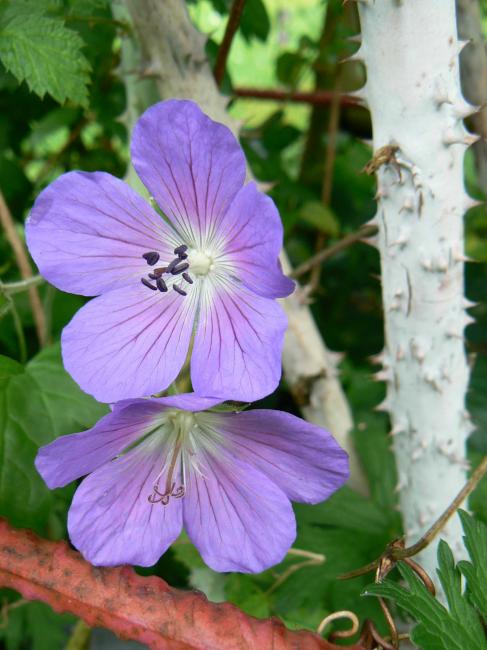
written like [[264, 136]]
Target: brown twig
[[24, 267], [226, 44], [327, 186], [396, 551], [325, 254], [317, 97]]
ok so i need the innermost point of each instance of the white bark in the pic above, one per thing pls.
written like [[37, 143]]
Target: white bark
[[410, 50], [175, 57]]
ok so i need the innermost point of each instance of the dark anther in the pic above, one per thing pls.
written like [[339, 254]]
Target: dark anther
[[161, 285], [148, 284], [180, 268], [172, 265], [183, 256], [188, 278], [180, 249], [179, 290], [156, 273], [151, 257]]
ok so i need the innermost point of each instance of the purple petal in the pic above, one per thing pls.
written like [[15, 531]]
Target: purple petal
[[189, 402], [236, 517], [304, 460], [252, 234], [238, 343], [78, 454], [111, 521], [129, 343], [191, 165], [87, 233]]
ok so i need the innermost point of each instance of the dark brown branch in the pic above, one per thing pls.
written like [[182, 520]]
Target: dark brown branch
[[317, 97], [226, 44], [327, 184], [24, 267], [326, 253]]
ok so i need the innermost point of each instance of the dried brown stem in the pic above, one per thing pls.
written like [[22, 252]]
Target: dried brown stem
[[468, 488], [326, 253], [226, 44], [317, 97], [24, 267], [395, 551], [327, 185]]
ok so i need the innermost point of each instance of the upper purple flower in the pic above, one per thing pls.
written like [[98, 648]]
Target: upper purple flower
[[210, 268], [156, 465]]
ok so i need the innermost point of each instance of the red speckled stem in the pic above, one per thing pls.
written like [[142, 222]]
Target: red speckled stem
[[144, 609]]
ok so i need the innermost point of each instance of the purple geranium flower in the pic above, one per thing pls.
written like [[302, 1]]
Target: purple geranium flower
[[157, 465], [209, 269]]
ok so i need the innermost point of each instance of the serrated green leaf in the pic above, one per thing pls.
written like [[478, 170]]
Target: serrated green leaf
[[451, 581], [475, 572], [437, 628], [38, 402], [44, 53]]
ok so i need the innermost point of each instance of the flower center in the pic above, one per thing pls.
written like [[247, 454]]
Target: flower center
[[180, 424], [200, 262]]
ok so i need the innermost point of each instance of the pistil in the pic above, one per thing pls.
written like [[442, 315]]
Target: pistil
[[170, 489]]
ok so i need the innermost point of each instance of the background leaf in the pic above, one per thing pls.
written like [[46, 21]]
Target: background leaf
[[475, 540], [44, 53], [437, 628], [38, 402]]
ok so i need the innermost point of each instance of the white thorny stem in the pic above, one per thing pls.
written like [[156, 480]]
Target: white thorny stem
[[410, 50]]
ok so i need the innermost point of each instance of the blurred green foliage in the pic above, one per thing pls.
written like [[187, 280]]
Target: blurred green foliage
[[62, 103]]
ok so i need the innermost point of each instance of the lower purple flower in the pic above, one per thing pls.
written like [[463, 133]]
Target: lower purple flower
[[157, 465]]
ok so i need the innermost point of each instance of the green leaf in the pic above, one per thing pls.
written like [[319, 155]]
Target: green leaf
[[348, 530], [38, 402], [255, 20], [243, 591], [69, 408], [451, 581], [24, 427], [475, 572], [320, 216], [437, 628], [37, 625], [290, 67], [44, 53]]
